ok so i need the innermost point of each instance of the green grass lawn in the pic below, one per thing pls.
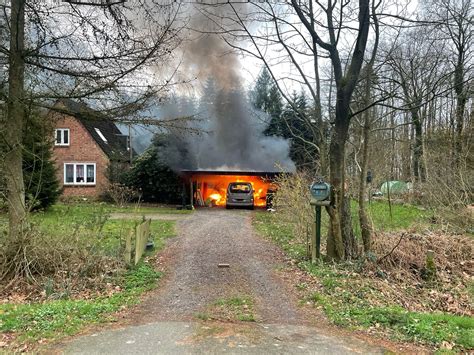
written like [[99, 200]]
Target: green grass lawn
[[346, 300], [402, 216], [85, 220], [93, 207], [52, 319], [73, 214]]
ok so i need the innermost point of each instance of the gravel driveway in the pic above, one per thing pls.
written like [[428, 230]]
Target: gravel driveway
[[168, 321], [211, 237]]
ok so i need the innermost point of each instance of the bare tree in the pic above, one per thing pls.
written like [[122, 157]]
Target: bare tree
[[283, 43], [417, 64], [456, 23], [62, 50], [368, 119], [15, 120], [346, 80]]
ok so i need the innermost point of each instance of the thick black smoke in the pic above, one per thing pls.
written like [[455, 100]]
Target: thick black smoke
[[233, 136]]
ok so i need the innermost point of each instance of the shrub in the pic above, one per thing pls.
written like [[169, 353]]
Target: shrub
[[292, 203], [406, 254], [41, 252], [449, 186], [155, 180], [121, 194]]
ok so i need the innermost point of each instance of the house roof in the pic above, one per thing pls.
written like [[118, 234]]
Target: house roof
[[104, 132]]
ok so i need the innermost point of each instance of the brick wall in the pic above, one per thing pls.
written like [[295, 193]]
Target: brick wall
[[82, 149]]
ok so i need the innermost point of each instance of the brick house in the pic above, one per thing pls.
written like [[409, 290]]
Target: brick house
[[85, 144]]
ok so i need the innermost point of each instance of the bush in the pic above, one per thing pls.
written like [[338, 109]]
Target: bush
[[153, 178], [292, 203], [43, 252], [449, 186], [404, 256], [121, 194]]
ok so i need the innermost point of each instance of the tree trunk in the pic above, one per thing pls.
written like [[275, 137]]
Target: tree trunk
[[461, 101], [418, 159], [338, 224], [365, 227], [345, 84], [15, 123], [407, 136], [319, 116], [393, 156], [350, 244]]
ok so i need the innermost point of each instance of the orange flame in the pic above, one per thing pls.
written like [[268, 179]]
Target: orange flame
[[213, 188]]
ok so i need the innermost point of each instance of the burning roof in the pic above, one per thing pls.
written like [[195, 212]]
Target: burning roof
[[268, 174]]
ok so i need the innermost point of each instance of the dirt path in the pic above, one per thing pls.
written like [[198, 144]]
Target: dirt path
[[168, 320]]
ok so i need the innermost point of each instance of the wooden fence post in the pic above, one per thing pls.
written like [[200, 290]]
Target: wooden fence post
[[142, 233], [128, 246]]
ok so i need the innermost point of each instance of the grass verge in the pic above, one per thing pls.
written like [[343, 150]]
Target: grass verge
[[55, 319], [349, 304], [357, 301], [38, 321]]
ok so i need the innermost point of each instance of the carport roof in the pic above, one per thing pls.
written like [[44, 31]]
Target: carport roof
[[233, 172]]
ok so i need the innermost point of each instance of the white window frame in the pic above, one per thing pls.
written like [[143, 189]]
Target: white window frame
[[61, 143], [75, 164]]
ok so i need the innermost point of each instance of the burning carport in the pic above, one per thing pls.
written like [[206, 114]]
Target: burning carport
[[209, 187]]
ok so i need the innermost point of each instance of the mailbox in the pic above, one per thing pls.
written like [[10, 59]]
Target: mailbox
[[320, 196], [320, 193]]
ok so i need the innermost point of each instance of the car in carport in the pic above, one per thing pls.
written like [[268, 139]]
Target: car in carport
[[239, 194]]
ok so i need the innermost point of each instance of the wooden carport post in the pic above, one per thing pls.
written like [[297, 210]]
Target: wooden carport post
[[191, 192]]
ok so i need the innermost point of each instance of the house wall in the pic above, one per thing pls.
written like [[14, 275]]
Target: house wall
[[82, 149]]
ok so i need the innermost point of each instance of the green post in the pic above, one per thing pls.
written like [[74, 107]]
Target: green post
[[316, 236], [318, 232]]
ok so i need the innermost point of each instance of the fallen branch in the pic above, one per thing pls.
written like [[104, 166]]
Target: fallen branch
[[391, 251]]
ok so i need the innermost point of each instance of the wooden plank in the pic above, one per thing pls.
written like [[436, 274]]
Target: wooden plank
[[142, 234], [138, 252], [313, 243], [128, 247]]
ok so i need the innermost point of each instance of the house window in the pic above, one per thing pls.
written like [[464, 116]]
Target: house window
[[79, 174], [62, 136]]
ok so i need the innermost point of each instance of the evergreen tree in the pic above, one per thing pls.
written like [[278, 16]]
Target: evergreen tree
[[41, 183], [260, 95], [289, 121], [294, 118], [152, 175], [276, 126], [266, 97], [208, 93]]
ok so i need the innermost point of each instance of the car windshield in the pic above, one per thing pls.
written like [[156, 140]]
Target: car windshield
[[240, 187]]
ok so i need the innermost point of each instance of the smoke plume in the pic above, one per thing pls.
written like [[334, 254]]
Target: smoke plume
[[233, 138]]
